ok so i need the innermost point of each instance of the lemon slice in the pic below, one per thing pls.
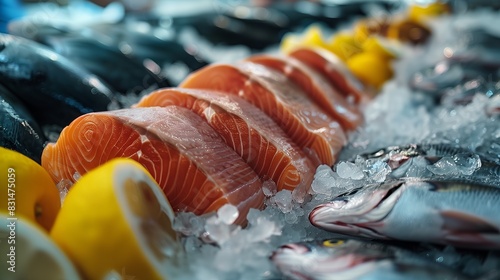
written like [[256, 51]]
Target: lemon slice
[[26, 189], [29, 253], [116, 220]]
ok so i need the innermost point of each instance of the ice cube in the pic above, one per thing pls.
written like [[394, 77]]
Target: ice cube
[[444, 166], [283, 200], [217, 231], [467, 163], [349, 170], [228, 214], [63, 186], [323, 180], [269, 188], [378, 171]]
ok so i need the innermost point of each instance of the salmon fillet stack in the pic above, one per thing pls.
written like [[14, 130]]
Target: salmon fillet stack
[[229, 133]]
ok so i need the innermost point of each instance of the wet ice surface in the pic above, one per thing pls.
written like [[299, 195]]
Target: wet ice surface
[[217, 250]]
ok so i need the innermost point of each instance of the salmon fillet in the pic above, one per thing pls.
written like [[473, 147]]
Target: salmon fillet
[[334, 70], [316, 86], [251, 133], [320, 136], [197, 171]]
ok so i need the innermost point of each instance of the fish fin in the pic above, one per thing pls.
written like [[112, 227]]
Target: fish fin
[[460, 222]]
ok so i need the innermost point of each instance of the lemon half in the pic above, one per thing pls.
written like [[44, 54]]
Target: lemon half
[[116, 219], [29, 253]]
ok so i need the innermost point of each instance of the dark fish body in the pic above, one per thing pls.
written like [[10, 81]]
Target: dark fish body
[[18, 129], [124, 74], [146, 46], [355, 259], [445, 212], [54, 89]]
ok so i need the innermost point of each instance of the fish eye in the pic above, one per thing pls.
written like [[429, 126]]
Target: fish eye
[[332, 243]]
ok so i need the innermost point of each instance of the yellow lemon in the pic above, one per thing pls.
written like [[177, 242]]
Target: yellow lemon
[[381, 47], [26, 189], [289, 42], [312, 37], [116, 220], [422, 12], [344, 45], [29, 253], [370, 68]]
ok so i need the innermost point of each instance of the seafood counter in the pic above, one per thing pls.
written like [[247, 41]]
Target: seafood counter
[[326, 141]]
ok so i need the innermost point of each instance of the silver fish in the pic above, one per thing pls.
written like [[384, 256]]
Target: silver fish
[[420, 157], [453, 213], [355, 259]]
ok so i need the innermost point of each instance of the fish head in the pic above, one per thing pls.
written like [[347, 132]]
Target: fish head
[[360, 212], [321, 259]]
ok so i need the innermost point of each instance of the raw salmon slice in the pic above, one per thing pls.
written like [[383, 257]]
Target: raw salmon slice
[[334, 70], [197, 171], [314, 131], [318, 88], [246, 129]]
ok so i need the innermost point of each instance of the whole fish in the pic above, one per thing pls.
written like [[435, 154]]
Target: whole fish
[[146, 46], [406, 160], [54, 89], [125, 74], [453, 213], [18, 129], [343, 259], [446, 74]]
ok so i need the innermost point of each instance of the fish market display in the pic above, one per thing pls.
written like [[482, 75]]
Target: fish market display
[[258, 153], [459, 214], [320, 136], [246, 129], [19, 131], [195, 168], [47, 82], [319, 90], [355, 259]]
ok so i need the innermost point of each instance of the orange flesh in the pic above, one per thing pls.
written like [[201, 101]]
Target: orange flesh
[[246, 129], [197, 171], [316, 133], [332, 68], [316, 86]]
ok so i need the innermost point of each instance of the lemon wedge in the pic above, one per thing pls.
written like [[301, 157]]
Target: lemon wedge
[[26, 189], [311, 37], [116, 220], [345, 45], [372, 69], [29, 253]]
